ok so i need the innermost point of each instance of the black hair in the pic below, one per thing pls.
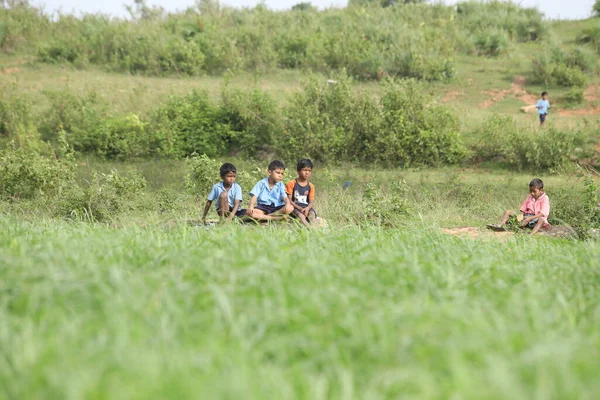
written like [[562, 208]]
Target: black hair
[[536, 184], [544, 93], [276, 164], [304, 163], [227, 168]]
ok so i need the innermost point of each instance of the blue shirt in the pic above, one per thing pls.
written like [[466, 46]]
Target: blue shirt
[[270, 196], [235, 193], [543, 106]]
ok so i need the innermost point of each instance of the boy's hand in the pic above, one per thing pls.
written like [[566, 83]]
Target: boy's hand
[[525, 221], [250, 211], [305, 211]]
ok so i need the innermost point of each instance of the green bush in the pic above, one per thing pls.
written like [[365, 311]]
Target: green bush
[[327, 122], [544, 150], [387, 206], [203, 173], [78, 116], [486, 143], [124, 137], [105, 197], [16, 120], [578, 206], [575, 96], [26, 174], [568, 76], [190, 124], [590, 37], [403, 40], [415, 130], [21, 25], [253, 117], [491, 44], [563, 69], [596, 8]]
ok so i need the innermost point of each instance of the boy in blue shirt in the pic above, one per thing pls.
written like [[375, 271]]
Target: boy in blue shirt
[[542, 106], [228, 195], [268, 200]]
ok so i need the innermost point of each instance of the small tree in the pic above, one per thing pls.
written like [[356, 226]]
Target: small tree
[[596, 9]]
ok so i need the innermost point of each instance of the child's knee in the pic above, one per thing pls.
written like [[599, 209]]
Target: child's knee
[[223, 195], [288, 209]]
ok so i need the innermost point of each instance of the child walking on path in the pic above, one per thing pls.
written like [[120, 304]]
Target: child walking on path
[[542, 106], [535, 209], [301, 193], [228, 195], [268, 200]]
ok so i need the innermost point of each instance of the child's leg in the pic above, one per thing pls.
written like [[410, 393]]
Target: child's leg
[[506, 216], [223, 209], [312, 215], [260, 215], [302, 218], [537, 226], [285, 210]]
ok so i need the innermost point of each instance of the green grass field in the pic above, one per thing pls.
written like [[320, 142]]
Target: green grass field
[[380, 305], [95, 312]]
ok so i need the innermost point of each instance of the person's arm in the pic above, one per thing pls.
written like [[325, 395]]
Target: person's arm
[[289, 190], [296, 206], [250, 209], [236, 206], [311, 200], [539, 105], [206, 208], [236, 202]]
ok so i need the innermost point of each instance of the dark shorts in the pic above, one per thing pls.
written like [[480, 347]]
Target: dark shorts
[[312, 211], [543, 118], [268, 209], [531, 223], [240, 212]]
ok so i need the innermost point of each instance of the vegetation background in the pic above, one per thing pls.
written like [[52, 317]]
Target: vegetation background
[[112, 130]]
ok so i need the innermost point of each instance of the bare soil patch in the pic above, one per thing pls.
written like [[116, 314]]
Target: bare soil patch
[[11, 70], [517, 89], [452, 95]]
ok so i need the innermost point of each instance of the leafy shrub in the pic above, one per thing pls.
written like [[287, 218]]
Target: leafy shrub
[[578, 207], [487, 142], [190, 124], [590, 37], [575, 96], [253, 117], [78, 116], [596, 8], [105, 197], [415, 130], [568, 76], [16, 121], [122, 137], [203, 173], [20, 25], [547, 149], [491, 44], [327, 122], [26, 174], [384, 206], [563, 69]]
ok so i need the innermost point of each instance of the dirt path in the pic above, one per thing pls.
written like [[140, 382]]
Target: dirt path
[[11, 70], [517, 89], [473, 232]]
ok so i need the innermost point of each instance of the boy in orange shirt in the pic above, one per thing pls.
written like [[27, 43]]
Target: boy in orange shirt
[[301, 193]]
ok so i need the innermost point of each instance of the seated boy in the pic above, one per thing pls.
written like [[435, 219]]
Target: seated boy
[[301, 193], [268, 195], [535, 209], [227, 193]]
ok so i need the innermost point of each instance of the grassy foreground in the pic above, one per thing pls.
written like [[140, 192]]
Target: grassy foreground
[[95, 312]]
